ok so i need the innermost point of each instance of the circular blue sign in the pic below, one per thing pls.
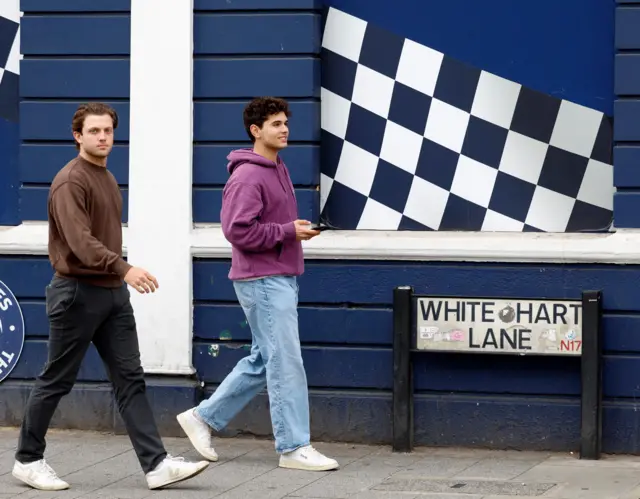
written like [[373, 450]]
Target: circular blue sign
[[11, 331]]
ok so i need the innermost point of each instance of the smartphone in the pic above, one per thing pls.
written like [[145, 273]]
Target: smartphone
[[319, 227]]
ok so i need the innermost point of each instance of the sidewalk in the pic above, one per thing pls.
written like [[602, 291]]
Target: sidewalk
[[103, 466]]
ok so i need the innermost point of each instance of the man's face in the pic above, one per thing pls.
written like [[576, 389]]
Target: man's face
[[96, 138], [275, 132]]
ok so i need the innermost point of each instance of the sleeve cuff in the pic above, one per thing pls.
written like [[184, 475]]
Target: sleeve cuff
[[289, 232], [121, 267]]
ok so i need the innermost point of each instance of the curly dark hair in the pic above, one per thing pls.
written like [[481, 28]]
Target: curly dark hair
[[259, 109], [95, 109]]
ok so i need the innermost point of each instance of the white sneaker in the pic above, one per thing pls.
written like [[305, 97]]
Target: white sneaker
[[307, 458], [173, 470], [199, 434], [38, 475]]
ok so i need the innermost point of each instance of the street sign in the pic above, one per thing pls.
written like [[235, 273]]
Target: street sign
[[487, 325], [11, 331]]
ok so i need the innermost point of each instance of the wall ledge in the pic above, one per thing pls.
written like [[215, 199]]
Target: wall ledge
[[31, 238], [207, 241], [621, 247]]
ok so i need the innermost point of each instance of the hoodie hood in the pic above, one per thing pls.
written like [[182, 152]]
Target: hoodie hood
[[241, 156]]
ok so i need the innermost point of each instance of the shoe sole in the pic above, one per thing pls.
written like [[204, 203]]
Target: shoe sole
[[37, 487], [183, 425], [302, 467], [173, 482]]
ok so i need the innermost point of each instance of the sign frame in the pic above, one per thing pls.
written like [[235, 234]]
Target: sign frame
[[404, 341]]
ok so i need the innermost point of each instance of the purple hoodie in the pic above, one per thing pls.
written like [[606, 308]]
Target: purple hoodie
[[258, 210]]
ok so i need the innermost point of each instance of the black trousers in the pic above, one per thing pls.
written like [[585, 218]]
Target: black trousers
[[79, 314]]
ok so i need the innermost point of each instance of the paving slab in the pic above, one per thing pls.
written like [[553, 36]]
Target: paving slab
[[104, 466]]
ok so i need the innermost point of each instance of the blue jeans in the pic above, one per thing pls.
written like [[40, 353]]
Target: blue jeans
[[271, 307]]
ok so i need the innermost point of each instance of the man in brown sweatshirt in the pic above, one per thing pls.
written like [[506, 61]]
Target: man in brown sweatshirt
[[88, 301]]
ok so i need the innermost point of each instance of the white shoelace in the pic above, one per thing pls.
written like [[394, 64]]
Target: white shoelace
[[47, 470], [311, 450], [177, 459]]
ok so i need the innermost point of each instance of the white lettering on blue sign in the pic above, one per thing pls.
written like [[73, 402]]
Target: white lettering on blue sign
[[11, 331]]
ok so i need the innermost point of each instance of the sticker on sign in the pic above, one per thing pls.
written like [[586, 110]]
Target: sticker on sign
[[11, 331], [542, 327]]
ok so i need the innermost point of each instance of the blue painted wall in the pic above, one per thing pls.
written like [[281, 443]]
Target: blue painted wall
[[345, 316], [246, 49], [495, 401], [345, 312], [90, 405], [57, 73]]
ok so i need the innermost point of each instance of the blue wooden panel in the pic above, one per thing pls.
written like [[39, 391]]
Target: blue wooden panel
[[36, 323], [444, 420], [325, 367], [26, 276], [208, 202], [39, 163], [627, 33], [626, 206], [74, 78], [514, 374], [222, 121], [621, 333], [210, 163], [256, 4], [440, 420], [100, 35], [33, 203], [246, 78], [291, 33], [318, 325], [75, 6], [34, 357], [627, 120], [367, 326], [621, 376], [627, 74], [626, 162], [360, 282], [9, 172], [371, 368], [498, 423], [52, 120]]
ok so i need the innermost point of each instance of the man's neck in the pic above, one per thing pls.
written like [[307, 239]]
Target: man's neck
[[265, 152], [93, 159]]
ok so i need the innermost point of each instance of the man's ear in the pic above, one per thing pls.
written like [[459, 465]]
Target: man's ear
[[255, 131]]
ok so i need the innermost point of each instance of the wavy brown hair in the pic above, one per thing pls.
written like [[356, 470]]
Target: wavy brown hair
[[95, 109]]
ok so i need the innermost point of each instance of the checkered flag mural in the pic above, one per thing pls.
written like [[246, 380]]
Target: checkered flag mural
[[415, 140], [9, 59]]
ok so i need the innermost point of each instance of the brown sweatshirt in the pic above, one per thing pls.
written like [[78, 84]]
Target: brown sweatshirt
[[85, 231]]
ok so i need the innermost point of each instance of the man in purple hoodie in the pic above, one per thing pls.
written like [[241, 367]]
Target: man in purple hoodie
[[260, 219]]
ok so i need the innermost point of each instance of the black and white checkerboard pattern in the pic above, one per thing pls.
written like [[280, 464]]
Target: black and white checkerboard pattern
[[415, 140], [9, 59]]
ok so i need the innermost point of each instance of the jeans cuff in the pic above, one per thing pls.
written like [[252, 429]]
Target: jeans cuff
[[291, 449], [207, 420]]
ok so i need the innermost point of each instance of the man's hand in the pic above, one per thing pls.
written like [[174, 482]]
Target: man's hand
[[303, 233], [141, 280]]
